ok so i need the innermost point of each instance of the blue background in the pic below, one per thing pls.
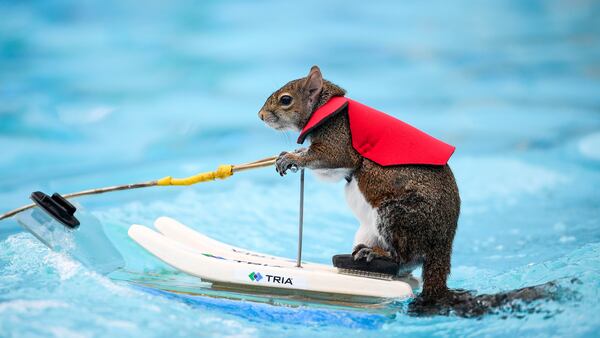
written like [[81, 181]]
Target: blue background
[[96, 93]]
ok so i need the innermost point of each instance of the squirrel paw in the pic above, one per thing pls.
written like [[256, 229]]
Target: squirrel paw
[[285, 162], [362, 251]]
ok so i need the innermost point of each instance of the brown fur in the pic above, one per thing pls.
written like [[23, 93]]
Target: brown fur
[[417, 205]]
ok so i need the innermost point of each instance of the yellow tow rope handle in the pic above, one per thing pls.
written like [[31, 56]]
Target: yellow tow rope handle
[[222, 172]]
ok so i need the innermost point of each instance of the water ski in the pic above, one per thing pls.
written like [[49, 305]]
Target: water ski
[[229, 267]]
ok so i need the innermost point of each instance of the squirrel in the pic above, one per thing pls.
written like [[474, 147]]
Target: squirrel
[[407, 213]]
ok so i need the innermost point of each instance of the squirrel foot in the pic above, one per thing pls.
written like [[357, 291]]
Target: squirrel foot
[[362, 251], [287, 161]]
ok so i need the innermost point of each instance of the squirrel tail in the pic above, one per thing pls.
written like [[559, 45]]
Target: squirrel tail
[[465, 303]]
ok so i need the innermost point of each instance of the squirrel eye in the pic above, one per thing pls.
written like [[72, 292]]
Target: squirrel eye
[[285, 100]]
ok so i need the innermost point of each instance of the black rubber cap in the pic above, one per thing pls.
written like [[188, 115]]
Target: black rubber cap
[[58, 207], [377, 265]]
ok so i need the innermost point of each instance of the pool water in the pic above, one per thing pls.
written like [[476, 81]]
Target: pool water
[[96, 93]]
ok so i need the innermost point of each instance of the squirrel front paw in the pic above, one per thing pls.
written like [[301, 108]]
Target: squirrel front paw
[[287, 161], [362, 251]]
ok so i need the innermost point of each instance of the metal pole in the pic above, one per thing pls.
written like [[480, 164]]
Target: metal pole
[[300, 220]]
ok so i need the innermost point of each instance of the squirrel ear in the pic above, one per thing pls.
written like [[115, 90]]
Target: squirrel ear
[[314, 84], [313, 69]]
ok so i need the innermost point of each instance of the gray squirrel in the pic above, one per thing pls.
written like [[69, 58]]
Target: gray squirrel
[[407, 213]]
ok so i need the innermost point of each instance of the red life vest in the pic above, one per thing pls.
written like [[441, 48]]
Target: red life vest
[[381, 138]]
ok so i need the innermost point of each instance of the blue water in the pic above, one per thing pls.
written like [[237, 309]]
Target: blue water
[[95, 93]]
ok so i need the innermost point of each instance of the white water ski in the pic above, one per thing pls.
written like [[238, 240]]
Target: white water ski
[[201, 256], [181, 233]]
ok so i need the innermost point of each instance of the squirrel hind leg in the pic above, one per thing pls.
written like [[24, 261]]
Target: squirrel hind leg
[[408, 227], [362, 251], [436, 269]]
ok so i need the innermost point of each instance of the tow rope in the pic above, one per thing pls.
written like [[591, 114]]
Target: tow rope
[[222, 172]]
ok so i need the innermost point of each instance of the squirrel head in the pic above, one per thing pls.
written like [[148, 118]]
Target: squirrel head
[[290, 107]]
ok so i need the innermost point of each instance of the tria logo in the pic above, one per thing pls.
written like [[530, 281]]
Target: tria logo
[[255, 276]]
